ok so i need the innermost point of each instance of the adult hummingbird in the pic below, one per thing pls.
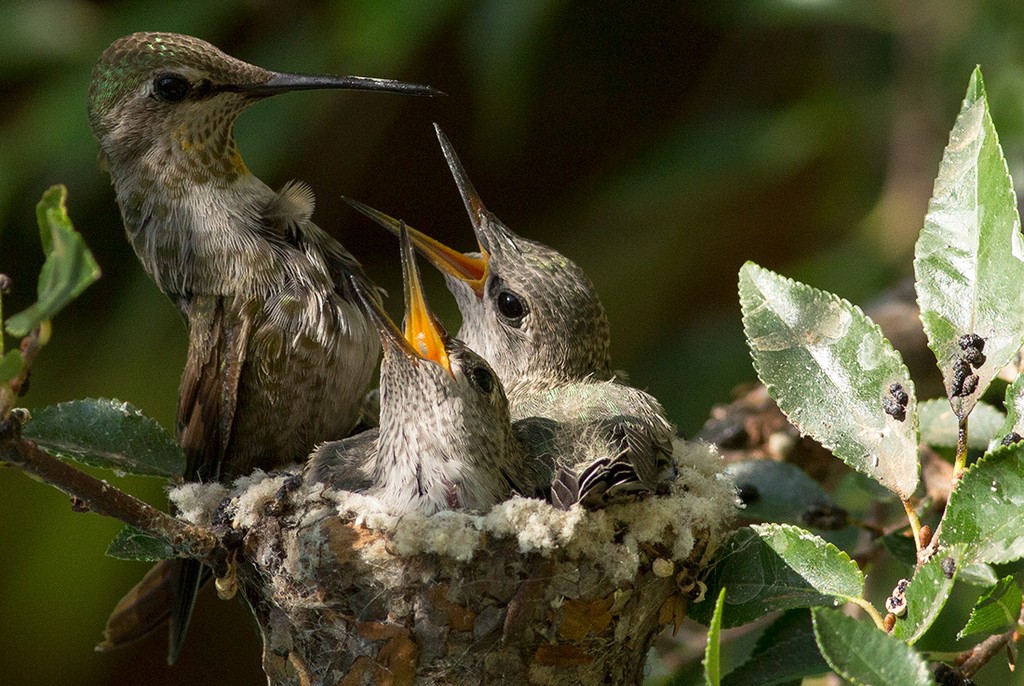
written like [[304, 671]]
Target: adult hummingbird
[[536, 317], [445, 438], [280, 348]]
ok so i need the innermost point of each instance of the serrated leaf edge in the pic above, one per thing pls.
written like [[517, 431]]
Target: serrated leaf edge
[[886, 344]]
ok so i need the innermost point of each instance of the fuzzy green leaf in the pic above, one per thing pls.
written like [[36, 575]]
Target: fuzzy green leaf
[[977, 574], [777, 567], [940, 426], [712, 657], [996, 611], [10, 364], [132, 543], [785, 653], [985, 511], [106, 433], [69, 267], [926, 596], [969, 259], [832, 372], [860, 653]]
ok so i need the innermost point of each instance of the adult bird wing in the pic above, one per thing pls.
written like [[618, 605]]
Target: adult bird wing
[[207, 404]]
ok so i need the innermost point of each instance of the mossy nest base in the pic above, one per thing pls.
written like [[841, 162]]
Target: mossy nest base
[[346, 594]]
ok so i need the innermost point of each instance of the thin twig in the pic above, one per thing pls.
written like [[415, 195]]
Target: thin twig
[[972, 660], [978, 657], [102, 498], [30, 347]]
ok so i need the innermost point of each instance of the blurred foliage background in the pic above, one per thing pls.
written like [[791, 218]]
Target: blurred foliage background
[[658, 147]]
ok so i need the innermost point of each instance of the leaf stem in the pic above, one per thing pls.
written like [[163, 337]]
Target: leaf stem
[[915, 525], [870, 609], [960, 463]]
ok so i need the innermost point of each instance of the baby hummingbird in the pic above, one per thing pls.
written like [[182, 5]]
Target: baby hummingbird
[[535, 316], [445, 439], [280, 349]]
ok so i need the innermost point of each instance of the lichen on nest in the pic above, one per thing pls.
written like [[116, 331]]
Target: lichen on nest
[[700, 505]]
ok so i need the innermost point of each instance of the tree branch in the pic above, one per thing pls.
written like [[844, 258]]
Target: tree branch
[[978, 656], [100, 497]]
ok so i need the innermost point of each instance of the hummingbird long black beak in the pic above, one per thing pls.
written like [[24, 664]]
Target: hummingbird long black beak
[[281, 82], [424, 337]]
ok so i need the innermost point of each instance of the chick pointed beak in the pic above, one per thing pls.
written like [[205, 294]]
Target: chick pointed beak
[[424, 338], [470, 198], [281, 82], [468, 268], [492, 236], [390, 335], [422, 329]]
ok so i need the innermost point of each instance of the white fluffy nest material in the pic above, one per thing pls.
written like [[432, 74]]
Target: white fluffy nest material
[[700, 506]]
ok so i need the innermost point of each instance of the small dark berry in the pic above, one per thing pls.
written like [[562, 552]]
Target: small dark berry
[[961, 370], [972, 344], [948, 567], [894, 409], [898, 394]]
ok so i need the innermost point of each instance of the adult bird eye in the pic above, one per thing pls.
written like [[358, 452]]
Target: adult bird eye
[[171, 88], [482, 378], [511, 307]]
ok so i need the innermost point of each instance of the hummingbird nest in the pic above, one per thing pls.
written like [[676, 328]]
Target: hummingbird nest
[[345, 593]]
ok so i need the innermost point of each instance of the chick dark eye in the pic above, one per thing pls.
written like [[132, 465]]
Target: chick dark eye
[[511, 307], [171, 88], [482, 378]]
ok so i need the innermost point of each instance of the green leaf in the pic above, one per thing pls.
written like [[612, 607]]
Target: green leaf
[[985, 512], [996, 611], [778, 567], [860, 653], [10, 364], [785, 652], [977, 574], [106, 433], [776, 491], [969, 259], [712, 662], [1014, 422], [69, 267], [832, 372], [132, 543], [940, 426], [926, 596]]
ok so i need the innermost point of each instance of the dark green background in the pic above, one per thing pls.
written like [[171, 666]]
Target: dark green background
[[659, 147]]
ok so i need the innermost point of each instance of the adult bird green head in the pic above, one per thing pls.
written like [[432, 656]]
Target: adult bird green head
[[153, 90]]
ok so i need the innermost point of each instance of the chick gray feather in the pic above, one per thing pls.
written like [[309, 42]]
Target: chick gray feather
[[535, 316], [445, 438]]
